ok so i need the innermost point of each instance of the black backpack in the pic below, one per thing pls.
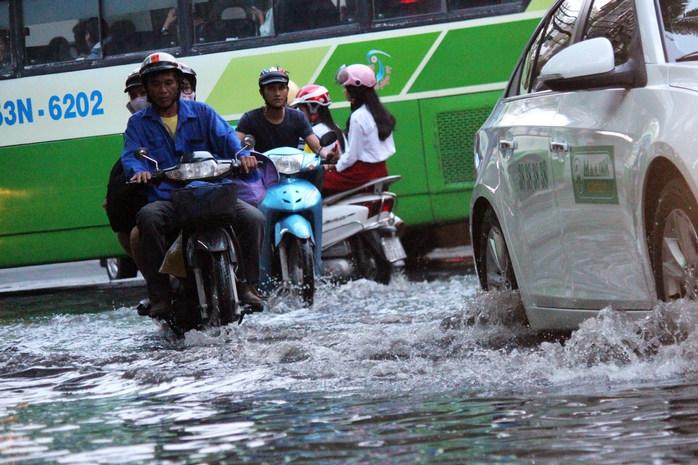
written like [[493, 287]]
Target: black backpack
[[124, 200]]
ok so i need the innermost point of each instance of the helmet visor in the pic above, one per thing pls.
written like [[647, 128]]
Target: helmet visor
[[342, 75]]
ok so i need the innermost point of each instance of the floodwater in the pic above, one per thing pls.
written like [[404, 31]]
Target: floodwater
[[415, 372]]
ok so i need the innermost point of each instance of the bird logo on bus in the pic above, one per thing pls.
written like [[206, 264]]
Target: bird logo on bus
[[382, 71]]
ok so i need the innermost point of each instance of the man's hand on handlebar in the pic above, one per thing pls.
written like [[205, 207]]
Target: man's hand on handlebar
[[248, 163], [141, 177]]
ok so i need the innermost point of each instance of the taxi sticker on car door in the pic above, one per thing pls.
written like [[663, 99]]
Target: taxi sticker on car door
[[593, 174]]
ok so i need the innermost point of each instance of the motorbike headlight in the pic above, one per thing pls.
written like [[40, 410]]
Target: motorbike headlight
[[199, 170], [288, 164]]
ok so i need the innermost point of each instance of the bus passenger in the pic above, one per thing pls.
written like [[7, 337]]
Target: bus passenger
[[4, 51], [276, 125], [314, 101], [263, 14], [92, 33], [370, 133], [167, 127], [58, 50]]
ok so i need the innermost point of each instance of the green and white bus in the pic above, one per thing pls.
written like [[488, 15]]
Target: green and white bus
[[441, 66]]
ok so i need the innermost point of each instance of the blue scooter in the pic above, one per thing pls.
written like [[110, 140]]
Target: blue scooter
[[291, 253]]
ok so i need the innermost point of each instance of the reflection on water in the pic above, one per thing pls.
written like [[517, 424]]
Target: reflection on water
[[412, 372]]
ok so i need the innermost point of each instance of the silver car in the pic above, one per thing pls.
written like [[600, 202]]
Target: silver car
[[588, 165]]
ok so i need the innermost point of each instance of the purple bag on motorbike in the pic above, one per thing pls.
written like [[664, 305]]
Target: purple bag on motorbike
[[252, 187]]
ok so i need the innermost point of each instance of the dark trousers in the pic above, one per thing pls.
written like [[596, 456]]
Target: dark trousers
[[158, 226]]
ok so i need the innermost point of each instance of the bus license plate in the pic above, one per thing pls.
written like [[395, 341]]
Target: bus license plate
[[392, 247]]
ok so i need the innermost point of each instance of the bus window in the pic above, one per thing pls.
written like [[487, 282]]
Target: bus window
[[221, 20], [464, 4], [5, 59], [56, 31], [310, 14], [139, 26], [386, 9]]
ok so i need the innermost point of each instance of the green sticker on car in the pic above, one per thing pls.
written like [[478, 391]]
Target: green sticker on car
[[593, 175]]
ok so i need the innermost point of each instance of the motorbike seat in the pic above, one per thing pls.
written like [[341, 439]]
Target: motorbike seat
[[374, 186]]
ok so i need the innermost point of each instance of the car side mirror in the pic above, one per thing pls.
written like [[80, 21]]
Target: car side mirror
[[585, 65]]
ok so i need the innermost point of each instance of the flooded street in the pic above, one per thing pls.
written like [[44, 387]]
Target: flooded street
[[414, 372]]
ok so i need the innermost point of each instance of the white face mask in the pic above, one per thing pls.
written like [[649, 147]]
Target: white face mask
[[190, 97], [137, 104]]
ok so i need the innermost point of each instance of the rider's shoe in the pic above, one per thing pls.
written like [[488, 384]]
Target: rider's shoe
[[250, 296], [161, 309], [143, 307]]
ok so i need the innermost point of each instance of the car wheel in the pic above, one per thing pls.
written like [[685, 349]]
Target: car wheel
[[495, 263], [674, 251], [121, 268]]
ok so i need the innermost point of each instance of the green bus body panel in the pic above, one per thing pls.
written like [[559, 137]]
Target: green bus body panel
[[59, 198], [63, 184], [439, 81], [59, 246], [461, 61], [228, 97]]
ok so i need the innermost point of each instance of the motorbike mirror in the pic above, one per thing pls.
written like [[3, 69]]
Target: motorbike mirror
[[248, 142], [329, 138], [142, 154]]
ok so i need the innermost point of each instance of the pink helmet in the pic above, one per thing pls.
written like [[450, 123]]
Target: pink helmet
[[312, 95], [355, 75]]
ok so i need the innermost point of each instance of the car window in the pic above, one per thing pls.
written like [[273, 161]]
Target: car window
[[552, 38], [680, 22], [614, 20]]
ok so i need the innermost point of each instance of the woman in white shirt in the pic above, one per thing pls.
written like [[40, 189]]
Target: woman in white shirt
[[370, 133]]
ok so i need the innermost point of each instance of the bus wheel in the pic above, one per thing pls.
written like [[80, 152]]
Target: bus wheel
[[120, 268]]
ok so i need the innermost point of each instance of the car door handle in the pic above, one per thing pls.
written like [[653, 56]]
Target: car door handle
[[559, 147], [508, 145]]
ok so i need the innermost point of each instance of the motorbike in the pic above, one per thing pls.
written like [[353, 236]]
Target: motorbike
[[291, 253], [204, 262], [361, 234]]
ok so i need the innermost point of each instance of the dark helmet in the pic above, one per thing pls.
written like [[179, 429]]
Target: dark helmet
[[133, 79], [157, 62], [189, 73], [267, 76]]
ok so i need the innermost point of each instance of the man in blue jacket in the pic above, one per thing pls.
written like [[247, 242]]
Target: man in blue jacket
[[169, 128]]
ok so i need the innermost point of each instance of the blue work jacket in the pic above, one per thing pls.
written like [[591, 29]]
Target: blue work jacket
[[199, 127]]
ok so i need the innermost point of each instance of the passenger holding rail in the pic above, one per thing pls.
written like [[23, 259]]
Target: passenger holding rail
[[370, 133], [168, 128]]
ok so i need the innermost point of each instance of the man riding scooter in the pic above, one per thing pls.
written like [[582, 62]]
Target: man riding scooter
[[274, 124], [169, 128]]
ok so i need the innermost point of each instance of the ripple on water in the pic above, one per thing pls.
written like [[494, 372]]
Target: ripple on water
[[361, 374]]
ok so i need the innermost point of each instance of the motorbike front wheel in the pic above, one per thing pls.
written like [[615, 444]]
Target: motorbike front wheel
[[221, 291], [300, 268]]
